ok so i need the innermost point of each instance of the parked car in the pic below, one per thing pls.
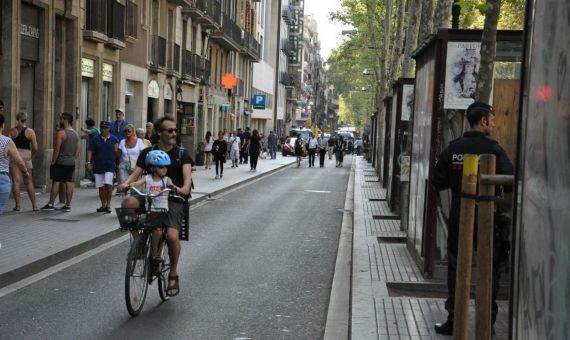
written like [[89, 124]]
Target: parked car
[[288, 147]]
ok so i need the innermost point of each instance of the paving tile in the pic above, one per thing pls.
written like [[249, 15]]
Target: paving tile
[[393, 263]]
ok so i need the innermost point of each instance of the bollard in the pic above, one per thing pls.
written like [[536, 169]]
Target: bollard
[[465, 247], [485, 231]]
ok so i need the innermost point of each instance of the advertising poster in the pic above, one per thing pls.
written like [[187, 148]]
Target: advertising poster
[[461, 74], [407, 102]]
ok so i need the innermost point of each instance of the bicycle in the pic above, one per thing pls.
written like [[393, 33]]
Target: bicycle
[[142, 266]]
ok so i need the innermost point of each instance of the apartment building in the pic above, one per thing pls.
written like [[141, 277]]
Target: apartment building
[[262, 117], [171, 59], [40, 68]]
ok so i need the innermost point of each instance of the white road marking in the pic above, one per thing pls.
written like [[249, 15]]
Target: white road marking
[[318, 191]]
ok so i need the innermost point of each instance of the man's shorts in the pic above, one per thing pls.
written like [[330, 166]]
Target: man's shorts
[[61, 173], [103, 179]]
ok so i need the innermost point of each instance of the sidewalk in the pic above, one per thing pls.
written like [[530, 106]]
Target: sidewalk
[[31, 242], [383, 270]]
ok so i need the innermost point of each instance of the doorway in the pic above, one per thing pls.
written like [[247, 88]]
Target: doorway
[[152, 109], [27, 81]]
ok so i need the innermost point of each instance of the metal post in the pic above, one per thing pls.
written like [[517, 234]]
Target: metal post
[[465, 248], [485, 252]]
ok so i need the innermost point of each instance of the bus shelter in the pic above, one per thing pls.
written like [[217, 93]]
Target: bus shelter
[[447, 67]]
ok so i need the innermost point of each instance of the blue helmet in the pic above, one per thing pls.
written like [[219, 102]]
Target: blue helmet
[[157, 158]]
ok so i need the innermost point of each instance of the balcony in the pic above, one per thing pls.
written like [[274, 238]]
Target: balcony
[[250, 46], [288, 15], [288, 80], [191, 66], [288, 48], [96, 21], [229, 36], [158, 53], [208, 13], [116, 25]]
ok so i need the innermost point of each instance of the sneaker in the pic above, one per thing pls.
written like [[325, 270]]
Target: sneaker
[[217, 176], [66, 208], [58, 206], [221, 175], [108, 210], [48, 207]]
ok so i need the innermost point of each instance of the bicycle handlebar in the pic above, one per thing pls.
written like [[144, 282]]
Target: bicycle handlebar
[[171, 192]]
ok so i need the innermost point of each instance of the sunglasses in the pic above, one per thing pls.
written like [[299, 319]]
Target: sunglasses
[[171, 131], [161, 167], [127, 130]]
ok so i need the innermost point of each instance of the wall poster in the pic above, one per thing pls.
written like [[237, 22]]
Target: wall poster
[[461, 74], [407, 102]]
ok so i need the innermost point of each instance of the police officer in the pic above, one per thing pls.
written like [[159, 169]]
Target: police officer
[[448, 174]]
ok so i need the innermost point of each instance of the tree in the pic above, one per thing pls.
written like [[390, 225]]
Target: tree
[[488, 51], [414, 8]]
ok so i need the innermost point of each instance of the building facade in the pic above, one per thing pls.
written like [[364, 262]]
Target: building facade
[[40, 58]]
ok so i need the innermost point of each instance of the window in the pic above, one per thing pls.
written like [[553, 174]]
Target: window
[[116, 20], [132, 16]]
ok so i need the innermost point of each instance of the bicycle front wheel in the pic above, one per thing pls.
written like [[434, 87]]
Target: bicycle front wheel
[[136, 276], [164, 270]]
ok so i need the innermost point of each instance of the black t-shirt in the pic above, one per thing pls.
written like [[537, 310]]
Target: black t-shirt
[[254, 145], [177, 160], [220, 148]]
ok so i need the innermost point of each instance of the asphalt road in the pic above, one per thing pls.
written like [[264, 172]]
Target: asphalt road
[[259, 265]]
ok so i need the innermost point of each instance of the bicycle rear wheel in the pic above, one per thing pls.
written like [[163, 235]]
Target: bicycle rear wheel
[[136, 275], [165, 270]]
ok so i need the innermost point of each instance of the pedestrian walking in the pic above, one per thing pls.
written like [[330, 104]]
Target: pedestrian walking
[[220, 150], [448, 174], [119, 124], [141, 134], [272, 144], [102, 157], [339, 149], [208, 143], [150, 134], [65, 153], [244, 145], [180, 172], [129, 150], [240, 136], [322, 144], [299, 149], [8, 155], [312, 149], [25, 140], [254, 149], [234, 143], [330, 148]]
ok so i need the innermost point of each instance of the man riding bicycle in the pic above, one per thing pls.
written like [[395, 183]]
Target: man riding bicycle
[[180, 172]]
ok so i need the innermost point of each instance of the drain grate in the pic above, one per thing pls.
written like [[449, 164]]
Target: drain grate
[[65, 220], [386, 217]]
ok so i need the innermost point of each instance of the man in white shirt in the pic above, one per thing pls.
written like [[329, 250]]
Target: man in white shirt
[[234, 142], [312, 147]]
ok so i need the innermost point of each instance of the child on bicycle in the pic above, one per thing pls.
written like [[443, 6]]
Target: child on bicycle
[[156, 181]]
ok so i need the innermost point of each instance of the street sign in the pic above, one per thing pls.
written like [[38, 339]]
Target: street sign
[[258, 101]]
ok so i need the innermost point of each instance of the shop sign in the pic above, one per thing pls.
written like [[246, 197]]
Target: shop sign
[[167, 92], [87, 67], [153, 89], [108, 73], [29, 33]]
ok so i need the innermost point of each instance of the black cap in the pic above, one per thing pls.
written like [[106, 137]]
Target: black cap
[[479, 106]]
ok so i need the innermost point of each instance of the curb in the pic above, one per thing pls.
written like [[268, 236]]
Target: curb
[[27, 270], [337, 325]]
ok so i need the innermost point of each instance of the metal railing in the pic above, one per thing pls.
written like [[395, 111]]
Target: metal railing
[[96, 15], [158, 51], [205, 71], [288, 79], [288, 15], [211, 8], [187, 63], [231, 29], [176, 58], [249, 42]]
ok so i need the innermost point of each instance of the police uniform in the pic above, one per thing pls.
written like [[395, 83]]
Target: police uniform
[[448, 173]]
